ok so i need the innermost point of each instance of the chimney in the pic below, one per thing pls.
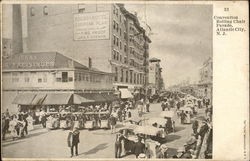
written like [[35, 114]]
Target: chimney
[[90, 63], [17, 38]]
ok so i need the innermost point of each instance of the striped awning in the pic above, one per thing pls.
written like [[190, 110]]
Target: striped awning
[[38, 100], [58, 99], [24, 98], [78, 99]]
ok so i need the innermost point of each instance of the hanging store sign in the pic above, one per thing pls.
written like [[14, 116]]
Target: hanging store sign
[[91, 26]]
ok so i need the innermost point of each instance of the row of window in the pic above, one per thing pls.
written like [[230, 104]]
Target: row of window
[[91, 78], [27, 79], [128, 76], [136, 54], [117, 56], [45, 11], [118, 43], [118, 15]]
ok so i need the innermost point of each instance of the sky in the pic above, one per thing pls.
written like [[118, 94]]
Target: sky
[[181, 38]]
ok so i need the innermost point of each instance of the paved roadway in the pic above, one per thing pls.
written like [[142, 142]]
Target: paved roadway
[[43, 143]]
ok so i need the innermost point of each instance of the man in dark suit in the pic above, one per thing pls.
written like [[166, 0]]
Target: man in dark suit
[[139, 147], [73, 140]]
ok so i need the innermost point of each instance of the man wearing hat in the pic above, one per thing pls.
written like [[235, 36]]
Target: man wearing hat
[[139, 147], [162, 153]]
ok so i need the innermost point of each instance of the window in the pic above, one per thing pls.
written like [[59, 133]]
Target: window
[[26, 79], [125, 48], [114, 24], [114, 54], [87, 78], [120, 31], [117, 41], [114, 39], [81, 10], [59, 79], [64, 76], [44, 78], [126, 76], [120, 45], [134, 78], [121, 75], [45, 10], [70, 79], [117, 27], [120, 18], [117, 56], [131, 76], [125, 60], [39, 80], [116, 12], [32, 11], [120, 58], [125, 35], [116, 74]]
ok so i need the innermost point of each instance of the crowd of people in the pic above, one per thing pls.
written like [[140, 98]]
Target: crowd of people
[[198, 146], [17, 125]]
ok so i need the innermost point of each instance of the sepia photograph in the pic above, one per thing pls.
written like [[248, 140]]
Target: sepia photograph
[[107, 80]]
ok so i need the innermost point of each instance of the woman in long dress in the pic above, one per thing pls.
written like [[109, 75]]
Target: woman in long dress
[[188, 119], [30, 123], [12, 128]]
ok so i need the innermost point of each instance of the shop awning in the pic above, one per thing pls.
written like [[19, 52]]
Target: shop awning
[[24, 98], [97, 97], [58, 99], [77, 99], [109, 97], [125, 93], [38, 100]]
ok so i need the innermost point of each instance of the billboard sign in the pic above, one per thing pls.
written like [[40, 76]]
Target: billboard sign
[[91, 26]]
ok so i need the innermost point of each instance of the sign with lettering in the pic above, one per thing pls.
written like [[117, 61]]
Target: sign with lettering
[[27, 61], [91, 26]]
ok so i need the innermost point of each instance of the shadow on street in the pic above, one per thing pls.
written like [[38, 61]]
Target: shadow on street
[[95, 149], [171, 138], [177, 129]]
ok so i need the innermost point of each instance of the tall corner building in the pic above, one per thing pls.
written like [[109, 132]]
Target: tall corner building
[[107, 33]]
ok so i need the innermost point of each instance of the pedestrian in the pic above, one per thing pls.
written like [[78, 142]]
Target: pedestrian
[[163, 106], [112, 121], [183, 117], [162, 152], [12, 128], [25, 128], [139, 147], [73, 141], [147, 105], [118, 146], [30, 123], [195, 126]]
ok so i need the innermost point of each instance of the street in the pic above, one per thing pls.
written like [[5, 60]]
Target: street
[[44, 143]]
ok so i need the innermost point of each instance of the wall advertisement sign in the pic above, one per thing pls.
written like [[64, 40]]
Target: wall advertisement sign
[[91, 26]]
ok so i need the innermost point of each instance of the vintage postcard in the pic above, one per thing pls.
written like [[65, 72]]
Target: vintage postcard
[[124, 80]]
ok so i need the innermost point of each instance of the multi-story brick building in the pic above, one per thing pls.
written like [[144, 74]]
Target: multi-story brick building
[[107, 33]]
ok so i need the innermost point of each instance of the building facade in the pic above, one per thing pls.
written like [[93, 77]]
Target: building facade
[[49, 73], [155, 77], [206, 80], [107, 33]]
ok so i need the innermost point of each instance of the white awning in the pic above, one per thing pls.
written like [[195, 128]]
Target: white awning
[[125, 93]]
